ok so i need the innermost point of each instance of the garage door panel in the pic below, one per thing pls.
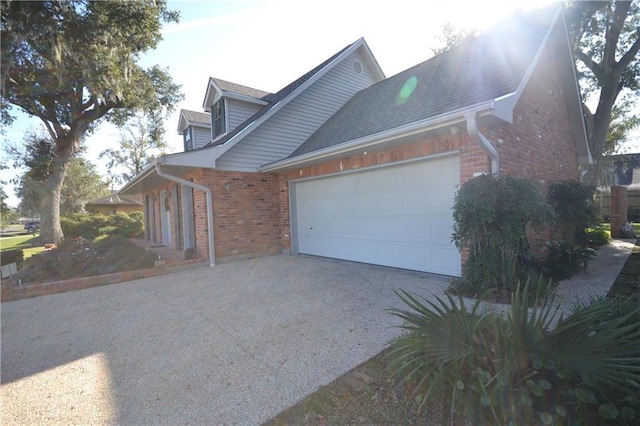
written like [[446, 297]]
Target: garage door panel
[[393, 216]]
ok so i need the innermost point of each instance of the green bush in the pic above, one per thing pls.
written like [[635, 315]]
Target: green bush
[[598, 237], [575, 210], [529, 364], [564, 260], [491, 216], [92, 226], [12, 256]]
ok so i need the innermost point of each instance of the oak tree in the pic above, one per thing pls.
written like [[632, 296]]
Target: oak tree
[[74, 64]]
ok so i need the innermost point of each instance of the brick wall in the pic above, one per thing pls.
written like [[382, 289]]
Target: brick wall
[[539, 144], [246, 217]]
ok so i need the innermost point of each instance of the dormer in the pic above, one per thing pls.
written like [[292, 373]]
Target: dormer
[[195, 128], [229, 104]]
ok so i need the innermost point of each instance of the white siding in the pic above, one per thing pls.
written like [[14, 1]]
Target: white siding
[[238, 112], [201, 137], [288, 128]]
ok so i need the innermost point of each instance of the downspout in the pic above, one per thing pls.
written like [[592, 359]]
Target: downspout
[[474, 132], [207, 191]]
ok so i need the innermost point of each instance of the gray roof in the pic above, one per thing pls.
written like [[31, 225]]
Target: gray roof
[[117, 200], [477, 71], [197, 117], [228, 86], [277, 97]]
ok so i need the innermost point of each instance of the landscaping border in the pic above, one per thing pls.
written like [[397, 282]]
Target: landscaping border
[[12, 292]]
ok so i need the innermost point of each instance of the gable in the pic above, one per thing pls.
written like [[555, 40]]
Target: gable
[[218, 88], [483, 69], [289, 127], [484, 77]]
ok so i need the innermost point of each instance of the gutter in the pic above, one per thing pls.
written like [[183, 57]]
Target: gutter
[[474, 132], [207, 191]]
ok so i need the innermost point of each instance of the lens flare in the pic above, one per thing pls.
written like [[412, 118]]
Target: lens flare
[[407, 90]]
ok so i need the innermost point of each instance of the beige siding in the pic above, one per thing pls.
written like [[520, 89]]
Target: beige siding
[[288, 128]]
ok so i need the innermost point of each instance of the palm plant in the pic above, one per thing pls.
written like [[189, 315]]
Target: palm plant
[[502, 369]]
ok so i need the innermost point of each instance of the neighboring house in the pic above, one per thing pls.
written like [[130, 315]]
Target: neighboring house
[[348, 164], [115, 203], [620, 170]]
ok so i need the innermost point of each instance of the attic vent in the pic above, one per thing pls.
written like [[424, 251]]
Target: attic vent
[[357, 66]]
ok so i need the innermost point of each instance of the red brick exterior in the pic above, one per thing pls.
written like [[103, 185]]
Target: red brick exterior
[[252, 217], [539, 144], [246, 217]]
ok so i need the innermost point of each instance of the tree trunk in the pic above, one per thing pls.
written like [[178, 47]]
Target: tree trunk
[[597, 130], [50, 229]]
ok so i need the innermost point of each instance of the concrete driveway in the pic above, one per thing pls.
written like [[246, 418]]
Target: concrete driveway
[[235, 344]]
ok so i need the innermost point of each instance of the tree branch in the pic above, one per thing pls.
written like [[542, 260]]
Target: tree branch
[[612, 34], [595, 67], [631, 53]]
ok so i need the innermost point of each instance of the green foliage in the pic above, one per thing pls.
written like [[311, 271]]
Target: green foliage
[[137, 148], [564, 260], [575, 209], [529, 364], [85, 57], [93, 226], [491, 217], [598, 237], [12, 256], [605, 42]]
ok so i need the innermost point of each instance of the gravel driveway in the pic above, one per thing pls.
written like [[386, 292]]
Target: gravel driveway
[[234, 344]]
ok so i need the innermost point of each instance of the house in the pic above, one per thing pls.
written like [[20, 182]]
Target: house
[[348, 164], [115, 203]]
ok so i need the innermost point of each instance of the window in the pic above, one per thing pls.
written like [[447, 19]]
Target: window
[[188, 143], [218, 119]]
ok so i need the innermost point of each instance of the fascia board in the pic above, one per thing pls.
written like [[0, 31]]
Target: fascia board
[[278, 106], [244, 98], [147, 171], [381, 137]]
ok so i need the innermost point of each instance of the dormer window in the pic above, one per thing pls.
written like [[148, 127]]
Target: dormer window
[[218, 119], [188, 139]]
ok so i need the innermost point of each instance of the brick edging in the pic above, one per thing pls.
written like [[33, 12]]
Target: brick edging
[[52, 287]]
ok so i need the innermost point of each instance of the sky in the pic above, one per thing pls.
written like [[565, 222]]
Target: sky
[[266, 44]]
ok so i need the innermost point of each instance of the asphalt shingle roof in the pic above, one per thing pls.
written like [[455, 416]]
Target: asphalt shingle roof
[[228, 86], [274, 99], [477, 71], [197, 117]]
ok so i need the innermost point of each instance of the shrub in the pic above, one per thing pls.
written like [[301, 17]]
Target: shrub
[[564, 260], [491, 215], [598, 237], [575, 209], [502, 369], [92, 226]]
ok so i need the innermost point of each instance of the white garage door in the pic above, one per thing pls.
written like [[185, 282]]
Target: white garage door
[[396, 216]]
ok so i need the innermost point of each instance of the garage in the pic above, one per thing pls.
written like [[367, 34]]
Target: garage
[[397, 215]]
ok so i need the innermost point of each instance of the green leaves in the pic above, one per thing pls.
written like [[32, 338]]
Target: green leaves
[[501, 369], [491, 219]]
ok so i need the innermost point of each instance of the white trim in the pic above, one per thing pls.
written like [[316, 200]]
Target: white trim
[[381, 137]]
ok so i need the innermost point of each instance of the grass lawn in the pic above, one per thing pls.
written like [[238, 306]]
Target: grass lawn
[[607, 226], [24, 242]]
